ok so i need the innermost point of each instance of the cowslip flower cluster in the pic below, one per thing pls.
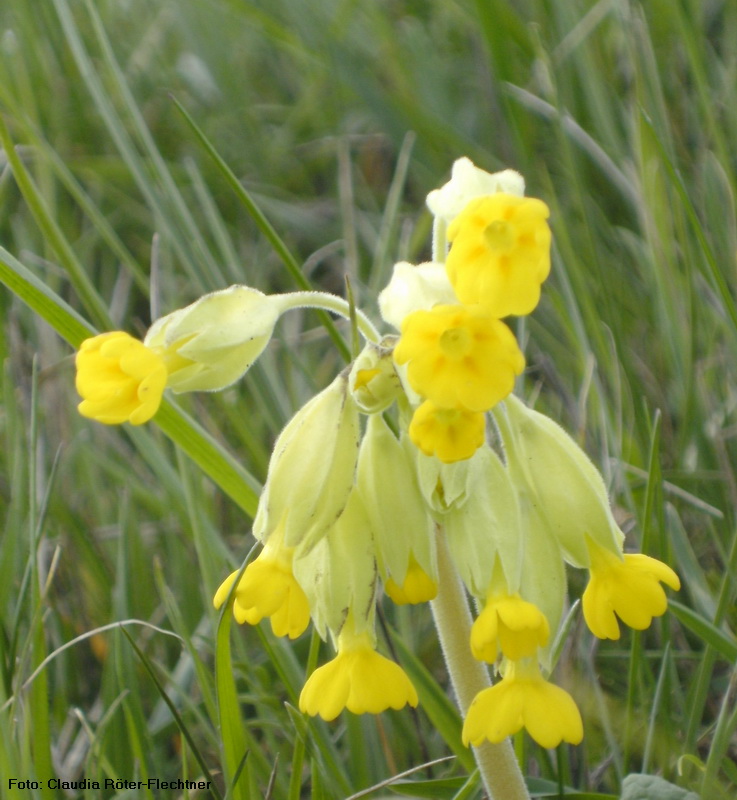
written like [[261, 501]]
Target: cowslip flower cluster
[[417, 450]]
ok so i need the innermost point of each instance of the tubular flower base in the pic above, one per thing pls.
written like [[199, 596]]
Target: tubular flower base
[[500, 253], [459, 357], [523, 699], [119, 379], [268, 588], [418, 586], [357, 679], [450, 434], [628, 588], [510, 624]]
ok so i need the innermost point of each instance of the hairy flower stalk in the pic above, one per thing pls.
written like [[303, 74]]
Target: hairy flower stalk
[[497, 762], [415, 475]]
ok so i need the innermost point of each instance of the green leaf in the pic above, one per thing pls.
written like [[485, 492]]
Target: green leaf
[[723, 643]]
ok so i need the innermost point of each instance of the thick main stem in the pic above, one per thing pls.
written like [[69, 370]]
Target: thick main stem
[[497, 763]]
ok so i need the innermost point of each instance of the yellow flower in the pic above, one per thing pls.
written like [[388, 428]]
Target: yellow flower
[[418, 586], [510, 624], [523, 699], [627, 587], [500, 253], [357, 679], [268, 588], [119, 379], [459, 357], [449, 434]]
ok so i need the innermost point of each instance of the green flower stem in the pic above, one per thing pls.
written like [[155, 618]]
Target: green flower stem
[[439, 240], [329, 302], [497, 762]]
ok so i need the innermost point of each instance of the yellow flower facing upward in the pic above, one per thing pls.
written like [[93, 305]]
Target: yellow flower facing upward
[[627, 587], [357, 679], [523, 699], [268, 588], [459, 357], [500, 253], [510, 624], [449, 434], [418, 586], [119, 379]]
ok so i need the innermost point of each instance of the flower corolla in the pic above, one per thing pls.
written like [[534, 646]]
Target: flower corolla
[[119, 379]]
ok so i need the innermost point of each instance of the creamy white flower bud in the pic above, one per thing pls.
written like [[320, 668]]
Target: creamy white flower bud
[[212, 342], [467, 182], [415, 288], [312, 469]]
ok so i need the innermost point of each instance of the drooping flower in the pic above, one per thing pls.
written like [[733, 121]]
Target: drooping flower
[[459, 357], [268, 588], [119, 379], [312, 468], [558, 481], [500, 253], [373, 380], [358, 679], [468, 182], [626, 586], [510, 624], [401, 524], [523, 699], [449, 434], [212, 342]]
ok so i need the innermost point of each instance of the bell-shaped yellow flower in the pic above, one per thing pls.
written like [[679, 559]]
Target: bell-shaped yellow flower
[[119, 379], [627, 587], [357, 679], [459, 357], [523, 699], [510, 624], [500, 253], [268, 588], [449, 434]]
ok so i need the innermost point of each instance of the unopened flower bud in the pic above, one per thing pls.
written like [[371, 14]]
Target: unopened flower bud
[[415, 288], [212, 342], [467, 182], [373, 380]]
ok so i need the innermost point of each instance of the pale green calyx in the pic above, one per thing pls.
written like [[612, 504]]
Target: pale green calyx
[[558, 480], [312, 469], [487, 528], [212, 342], [400, 520], [338, 574]]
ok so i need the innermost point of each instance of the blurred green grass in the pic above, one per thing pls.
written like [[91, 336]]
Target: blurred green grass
[[338, 118]]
